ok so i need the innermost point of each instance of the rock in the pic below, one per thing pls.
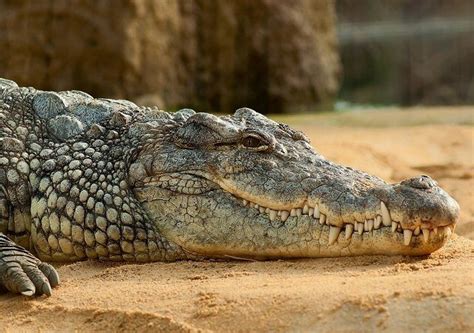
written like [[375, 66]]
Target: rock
[[210, 54], [271, 56]]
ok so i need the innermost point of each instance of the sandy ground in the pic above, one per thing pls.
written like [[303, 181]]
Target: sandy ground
[[393, 294]]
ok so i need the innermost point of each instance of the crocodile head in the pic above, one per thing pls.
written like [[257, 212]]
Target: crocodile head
[[246, 186]]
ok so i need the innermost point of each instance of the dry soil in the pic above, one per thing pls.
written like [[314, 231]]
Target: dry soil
[[366, 294]]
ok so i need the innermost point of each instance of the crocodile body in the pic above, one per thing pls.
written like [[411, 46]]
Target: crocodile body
[[84, 178]]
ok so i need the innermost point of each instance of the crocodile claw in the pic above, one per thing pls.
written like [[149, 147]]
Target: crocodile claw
[[22, 273]]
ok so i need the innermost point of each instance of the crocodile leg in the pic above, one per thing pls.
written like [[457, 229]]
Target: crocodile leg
[[20, 271], [23, 273]]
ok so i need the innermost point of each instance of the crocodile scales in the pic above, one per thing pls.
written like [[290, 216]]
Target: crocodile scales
[[84, 178]]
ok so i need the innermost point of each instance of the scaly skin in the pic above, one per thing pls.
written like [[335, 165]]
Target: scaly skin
[[91, 178]]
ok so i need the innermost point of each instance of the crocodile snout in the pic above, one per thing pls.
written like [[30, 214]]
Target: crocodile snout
[[420, 202]]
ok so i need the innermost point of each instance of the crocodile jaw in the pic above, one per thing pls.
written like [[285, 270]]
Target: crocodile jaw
[[218, 223]]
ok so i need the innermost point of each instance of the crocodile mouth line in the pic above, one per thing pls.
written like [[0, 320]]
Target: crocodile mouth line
[[194, 184], [367, 227]]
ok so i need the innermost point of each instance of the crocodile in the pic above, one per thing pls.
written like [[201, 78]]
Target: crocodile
[[90, 178]]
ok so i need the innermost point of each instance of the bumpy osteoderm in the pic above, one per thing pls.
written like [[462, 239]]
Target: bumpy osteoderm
[[97, 178]]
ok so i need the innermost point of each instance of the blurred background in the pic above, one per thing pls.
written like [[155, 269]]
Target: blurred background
[[407, 52], [276, 56]]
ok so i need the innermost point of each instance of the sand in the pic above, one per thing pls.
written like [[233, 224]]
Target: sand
[[378, 293]]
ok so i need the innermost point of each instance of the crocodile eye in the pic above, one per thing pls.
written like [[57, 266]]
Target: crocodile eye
[[252, 142]]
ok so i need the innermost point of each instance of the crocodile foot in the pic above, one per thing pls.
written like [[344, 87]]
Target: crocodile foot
[[22, 273]]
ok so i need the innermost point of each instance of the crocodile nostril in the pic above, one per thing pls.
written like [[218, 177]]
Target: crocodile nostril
[[422, 182]]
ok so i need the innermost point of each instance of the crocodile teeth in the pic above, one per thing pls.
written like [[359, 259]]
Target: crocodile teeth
[[349, 230], [298, 212], [445, 231], [426, 235], [386, 219], [407, 236], [377, 221], [394, 226], [448, 231], [273, 215], [417, 231], [316, 212], [322, 219], [333, 234], [305, 209], [370, 224]]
